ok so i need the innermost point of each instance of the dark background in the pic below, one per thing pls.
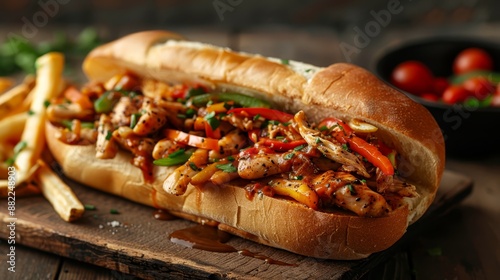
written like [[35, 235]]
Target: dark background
[[336, 21]]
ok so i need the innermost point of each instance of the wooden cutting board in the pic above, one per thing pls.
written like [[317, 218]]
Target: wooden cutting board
[[134, 242]]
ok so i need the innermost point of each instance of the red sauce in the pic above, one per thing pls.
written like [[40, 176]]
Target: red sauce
[[211, 239], [250, 190]]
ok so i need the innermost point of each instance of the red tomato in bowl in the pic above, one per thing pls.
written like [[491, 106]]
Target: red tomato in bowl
[[480, 87], [431, 96], [472, 59], [413, 76], [440, 85], [455, 94]]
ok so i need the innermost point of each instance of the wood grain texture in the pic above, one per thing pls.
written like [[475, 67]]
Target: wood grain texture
[[134, 243]]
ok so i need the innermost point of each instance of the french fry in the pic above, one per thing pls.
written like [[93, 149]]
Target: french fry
[[12, 127], [49, 82], [5, 83], [17, 99], [60, 195]]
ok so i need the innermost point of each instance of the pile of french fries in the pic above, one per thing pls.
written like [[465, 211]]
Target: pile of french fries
[[22, 138]]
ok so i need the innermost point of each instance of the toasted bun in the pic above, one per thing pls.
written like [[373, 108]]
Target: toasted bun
[[340, 90]]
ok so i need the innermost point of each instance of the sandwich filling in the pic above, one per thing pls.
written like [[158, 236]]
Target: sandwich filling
[[210, 138]]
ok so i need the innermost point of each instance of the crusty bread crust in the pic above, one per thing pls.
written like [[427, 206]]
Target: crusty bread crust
[[341, 90]]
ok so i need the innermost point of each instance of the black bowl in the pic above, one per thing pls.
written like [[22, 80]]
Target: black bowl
[[468, 131]]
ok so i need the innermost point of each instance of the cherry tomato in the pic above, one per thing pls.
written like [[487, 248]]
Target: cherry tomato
[[454, 94], [413, 77], [472, 59], [495, 102], [480, 87], [440, 85], [430, 96]]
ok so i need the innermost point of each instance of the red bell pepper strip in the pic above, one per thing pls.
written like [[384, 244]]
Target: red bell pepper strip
[[212, 133], [269, 114], [192, 140], [281, 146], [359, 145]]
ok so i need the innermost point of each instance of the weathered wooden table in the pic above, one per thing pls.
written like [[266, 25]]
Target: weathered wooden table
[[462, 244]]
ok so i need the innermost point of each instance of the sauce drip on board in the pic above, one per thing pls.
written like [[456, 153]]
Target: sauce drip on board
[[163, 215], [211, 239]]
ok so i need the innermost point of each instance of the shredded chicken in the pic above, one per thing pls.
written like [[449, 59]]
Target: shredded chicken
[[330, 149]]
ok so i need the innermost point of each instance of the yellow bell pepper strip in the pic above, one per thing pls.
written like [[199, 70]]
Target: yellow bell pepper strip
[[266, 113], [297, 190], [359, 145], [192, 140]]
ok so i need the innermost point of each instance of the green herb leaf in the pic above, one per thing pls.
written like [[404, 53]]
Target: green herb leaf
[[114, 211], [230, 158], [256, 117], [134, 119], [67, 124], [285, 61], [299, 177], [345, 147], [109, 134], [193, 166], [89, 207], [289, 156], [9, 161], [212, 120], [298, 148], [19, 147], [351, 189], [46, 103], [228, 167], [30, 113], [190, 112], [317, 140]]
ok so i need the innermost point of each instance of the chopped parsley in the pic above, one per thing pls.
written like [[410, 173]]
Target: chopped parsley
[[230, 158], [46, 103], [193, 166], [212, 120], [190, 112], [31, 113], [298, 148], [351, 189], [228, 167], [114, 211], [134, 119], [109, 134], [89, 207], [256, 117], [285, 61], [289, 156]]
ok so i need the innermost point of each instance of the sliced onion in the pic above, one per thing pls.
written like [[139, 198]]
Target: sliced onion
[[361, 126]]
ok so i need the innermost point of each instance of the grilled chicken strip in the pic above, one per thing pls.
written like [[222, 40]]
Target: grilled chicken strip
[[330, 149], [346, 191]]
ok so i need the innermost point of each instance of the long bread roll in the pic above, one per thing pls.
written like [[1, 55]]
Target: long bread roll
[[343, 91]]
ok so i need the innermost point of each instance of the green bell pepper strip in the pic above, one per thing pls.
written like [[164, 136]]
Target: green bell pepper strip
[[238, 98], [106, 102], [175, 158]]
